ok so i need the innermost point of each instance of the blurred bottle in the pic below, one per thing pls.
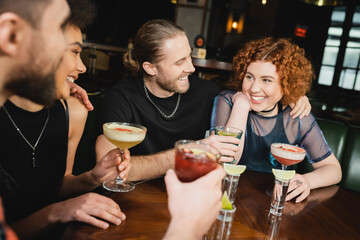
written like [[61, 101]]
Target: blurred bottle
[[130, 44]]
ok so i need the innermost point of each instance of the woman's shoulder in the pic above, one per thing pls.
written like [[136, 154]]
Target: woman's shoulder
[[226, 94], [306, 121], [77, 110]]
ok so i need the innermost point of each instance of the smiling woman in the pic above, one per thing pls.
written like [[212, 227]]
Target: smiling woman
[[295, 71], [269, 74], [71, 65]]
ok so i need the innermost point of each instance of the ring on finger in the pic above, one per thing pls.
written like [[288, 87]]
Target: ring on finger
[[298, 182]]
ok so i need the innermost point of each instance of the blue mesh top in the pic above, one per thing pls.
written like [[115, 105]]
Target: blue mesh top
[[262, 131]]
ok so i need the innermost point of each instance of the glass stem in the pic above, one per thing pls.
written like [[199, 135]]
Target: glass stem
[[119, 180]]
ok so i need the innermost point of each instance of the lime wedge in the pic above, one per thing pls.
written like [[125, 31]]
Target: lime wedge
[[235, 170], [196, 151], [284, 175], [225, 202]]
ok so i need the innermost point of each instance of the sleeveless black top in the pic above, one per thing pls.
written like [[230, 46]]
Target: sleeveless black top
[[25, 188]]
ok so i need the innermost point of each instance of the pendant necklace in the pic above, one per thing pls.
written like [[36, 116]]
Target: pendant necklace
[[161, 112], [22, 135]]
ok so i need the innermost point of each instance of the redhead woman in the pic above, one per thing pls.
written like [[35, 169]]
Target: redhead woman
[[269, 74]]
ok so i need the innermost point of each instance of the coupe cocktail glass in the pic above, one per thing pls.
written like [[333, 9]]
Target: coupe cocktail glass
[[194, 159], [287, 154], [123, 135]]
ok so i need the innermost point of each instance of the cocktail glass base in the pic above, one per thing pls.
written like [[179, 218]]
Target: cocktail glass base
[[114, 186]]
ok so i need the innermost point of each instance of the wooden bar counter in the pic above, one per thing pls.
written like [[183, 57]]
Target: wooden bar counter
[[328, 213]]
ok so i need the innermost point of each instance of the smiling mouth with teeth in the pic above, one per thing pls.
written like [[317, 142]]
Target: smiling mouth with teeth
[[183, 78], [257, 98], [70, 79]]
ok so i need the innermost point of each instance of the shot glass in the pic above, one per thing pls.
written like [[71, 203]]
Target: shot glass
[[278, 196], [228, 131], [221, 228], [273, 227], [230, 184]]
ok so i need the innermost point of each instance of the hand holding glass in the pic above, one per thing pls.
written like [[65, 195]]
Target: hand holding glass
[[194, 159], [229, 131], [122, 135]]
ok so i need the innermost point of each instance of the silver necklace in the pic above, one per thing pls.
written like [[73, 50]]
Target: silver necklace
[[161, 112], [22, 135]]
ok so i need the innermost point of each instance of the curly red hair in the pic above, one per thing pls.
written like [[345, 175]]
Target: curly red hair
[[294, 69]]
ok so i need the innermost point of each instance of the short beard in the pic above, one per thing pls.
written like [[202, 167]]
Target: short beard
[[172, 87], [29, 81], [39, 89]]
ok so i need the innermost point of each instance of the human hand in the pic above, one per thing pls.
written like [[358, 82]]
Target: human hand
[[91, 208], [111, 165], [80, 93], [228, 146], [194, 206], [240, 99], [298, 186], [301, 108]]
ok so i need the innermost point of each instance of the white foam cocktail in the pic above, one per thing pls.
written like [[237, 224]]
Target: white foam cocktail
[[287, 154], [122, 135]]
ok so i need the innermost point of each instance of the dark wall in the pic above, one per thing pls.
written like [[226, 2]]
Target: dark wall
[[277, 18], [316, 20], [119, 20]]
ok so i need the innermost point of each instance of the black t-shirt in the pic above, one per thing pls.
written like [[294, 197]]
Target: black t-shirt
[[126, 102]]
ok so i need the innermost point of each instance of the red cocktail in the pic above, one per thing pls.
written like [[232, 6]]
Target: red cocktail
[[287, 154], [194, 159]]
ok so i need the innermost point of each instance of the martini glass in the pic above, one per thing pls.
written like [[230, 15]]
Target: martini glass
[[287, 155], [123, 135]]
